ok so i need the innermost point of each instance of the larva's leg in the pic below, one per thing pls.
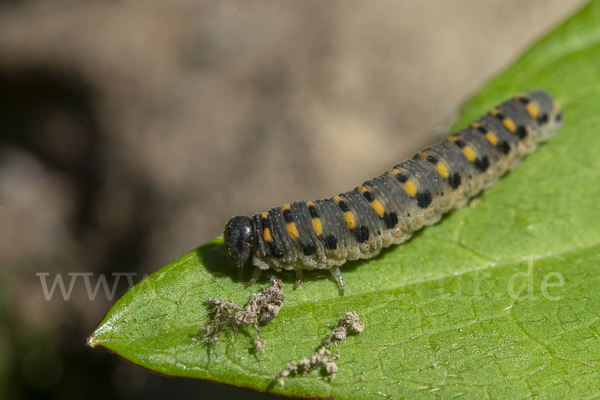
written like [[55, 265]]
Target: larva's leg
[[298, 278], [335, 271], [255, 276]]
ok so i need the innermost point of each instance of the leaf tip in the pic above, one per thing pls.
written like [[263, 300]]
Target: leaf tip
[[91, 342]]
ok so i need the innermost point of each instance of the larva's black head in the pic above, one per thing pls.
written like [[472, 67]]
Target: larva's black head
[[240, 239]]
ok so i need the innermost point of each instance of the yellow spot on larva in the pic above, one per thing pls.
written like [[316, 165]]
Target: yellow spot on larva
[[469, 153], [491, 138], [317, 227], [509, 124], [309, 203], [532, 109], [442, 170], [350, 219], [337, 199], [422, 155], [395, 172], [292, 230], [378, 208], [452, 139], [285, 207], [264, 215], [362, 189], [475, 125], [267, 235], [494, 112], [411, 189]]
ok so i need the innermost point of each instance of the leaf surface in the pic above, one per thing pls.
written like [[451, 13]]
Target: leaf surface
[[499, 299]]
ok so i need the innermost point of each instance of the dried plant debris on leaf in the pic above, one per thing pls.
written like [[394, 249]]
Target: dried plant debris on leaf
[[224, 318], [324, 358], [266, 303]]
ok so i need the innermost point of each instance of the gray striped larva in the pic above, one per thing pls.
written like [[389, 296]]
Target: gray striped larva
[[388, 209]]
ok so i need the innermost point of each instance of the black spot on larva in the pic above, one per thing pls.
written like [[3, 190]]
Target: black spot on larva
[[460, 143], [482, 129], [402, 177], [387, 221], [364, 233], [521, 132], [310, 249], [368, 196], [500, 116], [330, 242], [542, 119], [287, 216], [394, 218], [482, 164], [343, 206], [454, 180], [390, 220], [267, 251], [432, 159], [278, 252], [504, 147], [524, 100], [424, 199], [313, 212], [265, 223], [361, 234], [558, 117]]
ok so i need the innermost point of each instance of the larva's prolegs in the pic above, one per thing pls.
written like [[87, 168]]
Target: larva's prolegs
[[337, 275], [298, 278], [387, 209], [255, 275]]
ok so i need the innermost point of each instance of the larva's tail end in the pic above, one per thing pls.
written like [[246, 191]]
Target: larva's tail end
[[546, 112]]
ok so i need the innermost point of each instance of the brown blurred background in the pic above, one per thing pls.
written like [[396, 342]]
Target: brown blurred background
[[130, 131]]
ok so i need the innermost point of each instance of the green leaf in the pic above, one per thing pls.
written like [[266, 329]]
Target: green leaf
[[440, 314]]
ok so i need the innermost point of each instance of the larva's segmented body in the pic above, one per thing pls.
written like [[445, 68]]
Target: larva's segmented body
[[388, 209]]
